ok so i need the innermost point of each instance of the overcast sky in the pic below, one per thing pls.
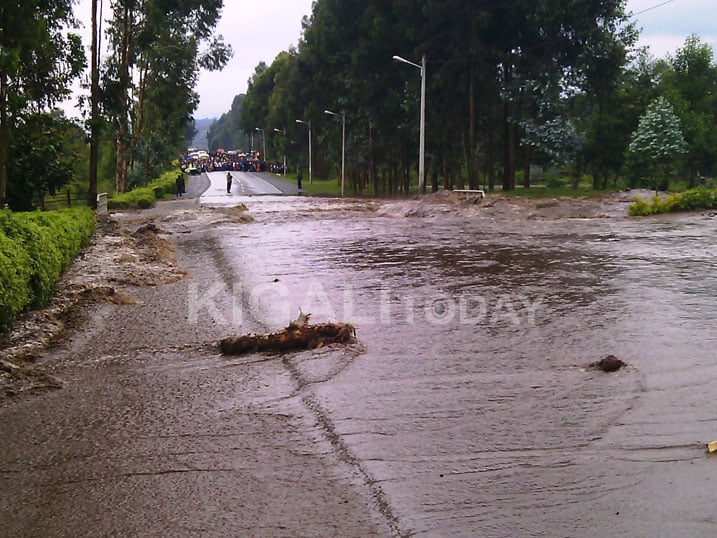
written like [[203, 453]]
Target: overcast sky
[[259, 30]]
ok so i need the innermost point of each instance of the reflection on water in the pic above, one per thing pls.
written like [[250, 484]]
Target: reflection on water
[[472, 406]]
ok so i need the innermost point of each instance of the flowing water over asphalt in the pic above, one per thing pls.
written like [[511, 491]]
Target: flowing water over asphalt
[[473, 411], [468, 409]]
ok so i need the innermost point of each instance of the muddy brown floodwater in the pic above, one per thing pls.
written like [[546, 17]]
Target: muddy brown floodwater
[[468, 407]]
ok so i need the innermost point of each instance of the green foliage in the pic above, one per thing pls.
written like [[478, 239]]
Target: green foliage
[[35, 249], [15, 275], [226, 132], [39, 60], [691, 85], [140, 198], [657, 144], [169, 43], [45, 152], [145, 197], [690, 200]]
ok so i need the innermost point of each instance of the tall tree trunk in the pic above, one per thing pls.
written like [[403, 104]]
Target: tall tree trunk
[[94, 110], [457, 167], [447, 183], [509, 136], [139, 127], [4, 139], [529, 150], [434, 178], [373, 168], [490, 154], [508, 149], [473, 174], [123, 119]]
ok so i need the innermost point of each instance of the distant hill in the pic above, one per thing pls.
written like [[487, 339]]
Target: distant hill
[[202, 126]]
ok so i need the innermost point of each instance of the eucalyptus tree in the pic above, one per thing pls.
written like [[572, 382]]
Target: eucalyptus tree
[[39, 60], [158, 48]]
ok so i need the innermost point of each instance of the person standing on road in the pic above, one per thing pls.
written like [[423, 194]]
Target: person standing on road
[[179, 185], [229, 182]]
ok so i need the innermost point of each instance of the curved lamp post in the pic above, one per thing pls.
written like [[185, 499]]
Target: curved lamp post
[[422, 135]]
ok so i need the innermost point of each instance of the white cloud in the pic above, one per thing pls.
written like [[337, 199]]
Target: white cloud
[[666, 24]]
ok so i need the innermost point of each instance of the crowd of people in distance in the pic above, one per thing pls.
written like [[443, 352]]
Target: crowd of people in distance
[[201, 161]]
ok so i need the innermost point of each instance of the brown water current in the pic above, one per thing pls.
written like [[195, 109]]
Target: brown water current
[[473, 408], [468, 407]]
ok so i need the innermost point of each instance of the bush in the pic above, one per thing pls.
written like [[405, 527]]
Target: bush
[[142, 198], [15, 277], [35, 249], [690, 200], [145, 197]]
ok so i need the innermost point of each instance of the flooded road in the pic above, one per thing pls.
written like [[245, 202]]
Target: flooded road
[[468, 408], [473, 408]]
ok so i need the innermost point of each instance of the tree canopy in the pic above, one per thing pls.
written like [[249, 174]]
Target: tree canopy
[[511, 86], [39, 59]]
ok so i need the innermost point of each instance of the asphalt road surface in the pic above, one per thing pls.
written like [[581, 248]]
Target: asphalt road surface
[[245, 184]]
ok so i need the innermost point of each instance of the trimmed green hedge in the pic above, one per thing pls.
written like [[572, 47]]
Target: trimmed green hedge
[[35, 250], [690, 200], [146, 197]]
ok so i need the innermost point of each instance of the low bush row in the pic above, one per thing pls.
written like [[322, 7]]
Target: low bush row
[[690, 200], [145, 197], [35, 250]]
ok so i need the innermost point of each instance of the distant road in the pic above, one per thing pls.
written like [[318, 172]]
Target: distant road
[[243, 184]]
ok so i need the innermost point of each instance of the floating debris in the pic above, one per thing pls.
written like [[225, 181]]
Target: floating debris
[[297, 335], [609, 364]]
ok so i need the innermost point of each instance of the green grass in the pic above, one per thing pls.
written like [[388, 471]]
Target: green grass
[[317, 187]]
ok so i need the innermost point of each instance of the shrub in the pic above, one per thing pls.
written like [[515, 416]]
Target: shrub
[[690, 200], [145, 197], [15, 276], [142, 198], [35, 249], [639, 208]]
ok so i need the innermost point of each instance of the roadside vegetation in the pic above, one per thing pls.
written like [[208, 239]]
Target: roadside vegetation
[[36, 248], [689, 200], [146, 197]]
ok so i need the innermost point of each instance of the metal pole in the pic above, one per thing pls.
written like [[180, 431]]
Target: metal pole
[[422, 143]]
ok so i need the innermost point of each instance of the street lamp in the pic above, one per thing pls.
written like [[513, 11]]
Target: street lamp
[[263, 136], [422, 134], [343, 144], [283, 171], [308, 124]]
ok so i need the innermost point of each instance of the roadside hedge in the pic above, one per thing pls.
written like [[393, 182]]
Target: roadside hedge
[[146, 197], [35, 250]]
